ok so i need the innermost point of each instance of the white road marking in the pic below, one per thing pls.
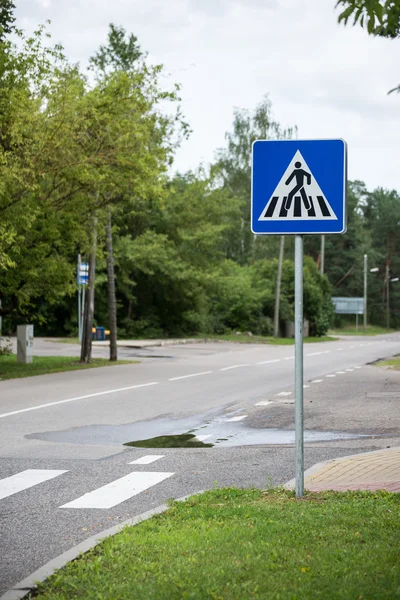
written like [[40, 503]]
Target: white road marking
[[362, 345], [124, 389], [26, 479], [314, 354], [327, 352], [284, 394], [289, 358], [349, 370], [340, 349], [118, 491], [317, 381], [191, 375], [146, 460], [201, 438], [235, 367], [340, 372], [358, 367], [264, 403], [268, 362], [238, 418], [351, 347], [306, 386], [330, 375]]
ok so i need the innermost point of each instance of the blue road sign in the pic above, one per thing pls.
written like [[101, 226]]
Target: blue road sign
[[299, 187]]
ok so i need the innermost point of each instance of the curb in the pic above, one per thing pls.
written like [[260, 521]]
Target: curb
[[291, 485], [27, 585]]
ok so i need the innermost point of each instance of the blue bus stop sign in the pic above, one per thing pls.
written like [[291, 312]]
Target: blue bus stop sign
[[299, 187]]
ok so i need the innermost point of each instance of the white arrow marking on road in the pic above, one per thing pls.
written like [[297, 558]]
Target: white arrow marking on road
[[118, 491], [26, 479]]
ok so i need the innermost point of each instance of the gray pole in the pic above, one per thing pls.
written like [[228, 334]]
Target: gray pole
[[387, 299], [79, 300], [299, 404], [278, 287], [365, 291], [322, 264]]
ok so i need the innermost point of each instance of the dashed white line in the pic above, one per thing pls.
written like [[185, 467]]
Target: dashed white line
[[340, 372], [327, 352], [26, 479], [146, 460], [115, 391], [238, 418], [235, 367], [284, 394], [118, 491], [268, 362], [264, 403], [190, 375], [330, 375], [358, 367], [317, 381], [340, 349], [314, 354], [289, 358], [306, 386], [349, 370]]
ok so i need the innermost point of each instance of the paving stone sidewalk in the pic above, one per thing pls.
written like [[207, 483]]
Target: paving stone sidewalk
[[379, 470]]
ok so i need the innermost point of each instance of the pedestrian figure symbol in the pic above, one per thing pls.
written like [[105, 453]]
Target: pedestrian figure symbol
[[300, 175], [297, 196]]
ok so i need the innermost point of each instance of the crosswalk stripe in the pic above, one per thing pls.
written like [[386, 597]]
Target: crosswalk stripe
[[25, 480], [118, 491], [146, 460]]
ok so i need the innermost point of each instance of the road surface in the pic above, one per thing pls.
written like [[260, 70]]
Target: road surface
[[65, 474]]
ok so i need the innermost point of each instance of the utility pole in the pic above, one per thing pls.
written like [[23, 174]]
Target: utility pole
[[278, 287], [387, 298], [365, 291], [322, 262]]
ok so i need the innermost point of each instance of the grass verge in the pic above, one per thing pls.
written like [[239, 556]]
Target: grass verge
[[260, 339], [371, 330], [238, 544], [392, 363], [41, 365]]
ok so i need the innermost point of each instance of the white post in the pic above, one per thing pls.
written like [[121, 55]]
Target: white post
[[299, 401]]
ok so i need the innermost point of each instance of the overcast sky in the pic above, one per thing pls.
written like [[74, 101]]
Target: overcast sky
[[329, 80]]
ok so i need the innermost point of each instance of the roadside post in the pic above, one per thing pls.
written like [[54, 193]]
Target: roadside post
[[299, 188], [82, 277], [24, 344]]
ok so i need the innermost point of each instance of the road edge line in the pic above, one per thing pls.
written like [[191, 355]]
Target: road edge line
[[28, 584]]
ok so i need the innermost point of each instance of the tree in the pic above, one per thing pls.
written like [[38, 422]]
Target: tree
[[380, 17], [6, 18]]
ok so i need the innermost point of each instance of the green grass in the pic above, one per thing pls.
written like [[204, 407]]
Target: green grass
[[393, 363], [41, 365], [232, 544], [71, 340], [371, 330], [183, 440], [260, 339]]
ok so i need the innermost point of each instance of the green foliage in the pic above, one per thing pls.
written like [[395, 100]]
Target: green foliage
[[380, 17]]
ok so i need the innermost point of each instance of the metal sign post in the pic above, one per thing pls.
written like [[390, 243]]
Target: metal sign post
[[299, 188], [298, 367]]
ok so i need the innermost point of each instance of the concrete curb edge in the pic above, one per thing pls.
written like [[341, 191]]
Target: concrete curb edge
[[21, 589]]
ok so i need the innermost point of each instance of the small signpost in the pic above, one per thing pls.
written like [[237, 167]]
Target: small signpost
[[82, 279], [299, 188]]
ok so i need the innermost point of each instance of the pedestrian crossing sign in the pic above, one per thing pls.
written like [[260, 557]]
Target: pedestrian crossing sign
[[299, 187]]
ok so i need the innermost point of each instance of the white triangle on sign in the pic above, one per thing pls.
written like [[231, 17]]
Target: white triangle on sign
[[297, 197]]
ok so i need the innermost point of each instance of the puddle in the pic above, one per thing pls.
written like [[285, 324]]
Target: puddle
[[185, 440], [215, 430]]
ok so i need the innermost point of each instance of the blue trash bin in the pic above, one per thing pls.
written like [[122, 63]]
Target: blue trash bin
[[100, 334]]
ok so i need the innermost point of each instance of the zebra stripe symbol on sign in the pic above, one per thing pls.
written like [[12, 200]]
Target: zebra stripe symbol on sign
[[297, 197]]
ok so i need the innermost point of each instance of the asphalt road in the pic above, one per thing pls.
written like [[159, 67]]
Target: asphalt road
[[65, 475]]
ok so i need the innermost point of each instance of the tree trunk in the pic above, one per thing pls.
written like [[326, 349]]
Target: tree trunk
[[86, 348], [112, 303]]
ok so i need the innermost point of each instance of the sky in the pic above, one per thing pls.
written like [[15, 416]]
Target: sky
[[329, 80]]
